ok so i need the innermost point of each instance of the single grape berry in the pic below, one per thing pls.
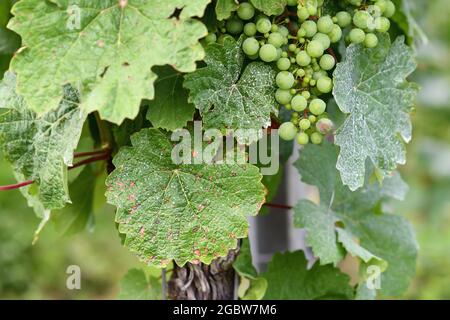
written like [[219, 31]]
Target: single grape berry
[[327, 62], [250, 46], [306, 95], [357, 36], [336, 34], [316, 138], [344, 19], [361, 19], [310, 28], [276, 39], [325, 85], [389, 9], [263, 25], [299, 103], [283, 64], [371, 40], [302, 138], [235, 26], [285, 80], [315, 49], [283, 96], [211, 38], [303, 59], [292, 3], [324, 125], [302, 14], [319, 74], [304, 124], [250, 29], [287, 131], [317, 107], [324, 40], [325, 24], [382, 24], [268, 53], [283, 31], [246, 11]]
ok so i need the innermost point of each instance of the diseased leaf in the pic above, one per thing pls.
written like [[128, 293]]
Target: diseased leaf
[[370, 87], [108, 56], [188, 213], [270, 7], [135, 285], [224, 8], [40, 149], [289, 279], [170, 109], [365, 234], [228, 97]]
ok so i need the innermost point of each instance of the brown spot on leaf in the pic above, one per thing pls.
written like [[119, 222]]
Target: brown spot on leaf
[[197, 252]]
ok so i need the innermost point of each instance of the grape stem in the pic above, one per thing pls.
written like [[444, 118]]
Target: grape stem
[[331, 52], [102, 157], [91, 153], [278, 206]]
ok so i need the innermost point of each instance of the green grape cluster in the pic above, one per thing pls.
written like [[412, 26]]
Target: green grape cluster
[[299, 44]]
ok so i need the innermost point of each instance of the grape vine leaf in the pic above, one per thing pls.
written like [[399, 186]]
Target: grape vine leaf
[[188, 213], [382, 240], [404, 17], [270, 7], [370, 87], [40, 149], [228, 97], [224, 8], [136, 285], [106, 49], [170, 109], [289, 279]]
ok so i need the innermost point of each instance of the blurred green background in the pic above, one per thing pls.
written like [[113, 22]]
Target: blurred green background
[[39, 271]]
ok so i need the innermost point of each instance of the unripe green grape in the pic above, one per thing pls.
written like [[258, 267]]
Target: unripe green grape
[[324, 39], [312, 82], [382, 24], [302, 138], [293, 91], [312, 119], [310, 28], [315, 49], [301, 73], [250, 29], [303, 59], [246, 11], [279, 53], [276, 39], [250, 46], [325, 24], [304, 124], [297, 51], [283, 64], [362, 19], [285, 80], [299, 103], [319, 74], [283, 96], [389, 9], [268, 53], [254, 57], [316, 138], [283, 31], [302, 14], [263, 25], [266, 35], [356, 3], [371, 40], [292, 3], [287, 131], [317, 107], [327, 62], [288, 106], [357, 36], [336, 34], [306, 95], [344, 19], [292, 47], [235, 26], [312, 9], [284, 54], [324, 125], [211, 38], [325, 85]]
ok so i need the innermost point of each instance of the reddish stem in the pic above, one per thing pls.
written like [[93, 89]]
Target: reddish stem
[[16, 186], [91, 153], [331, 52], [278, 206]]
